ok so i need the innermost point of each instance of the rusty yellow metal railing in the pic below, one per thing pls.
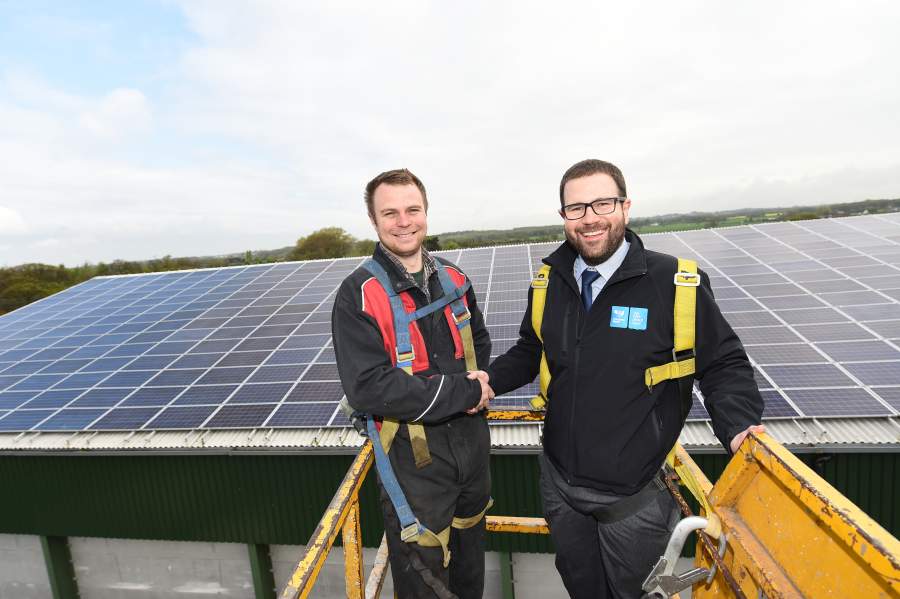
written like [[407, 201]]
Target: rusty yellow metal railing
[[791, 534], [342, 514]]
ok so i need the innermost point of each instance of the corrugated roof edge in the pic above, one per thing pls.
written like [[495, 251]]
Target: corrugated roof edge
[[803, 435]]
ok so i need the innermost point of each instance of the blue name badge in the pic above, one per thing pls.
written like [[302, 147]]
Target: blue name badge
[[619, 317], [637, 319]]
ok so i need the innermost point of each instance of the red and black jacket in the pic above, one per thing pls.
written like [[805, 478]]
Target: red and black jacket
[[363, 334]]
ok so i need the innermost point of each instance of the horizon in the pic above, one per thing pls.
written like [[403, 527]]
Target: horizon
[[437, 235]]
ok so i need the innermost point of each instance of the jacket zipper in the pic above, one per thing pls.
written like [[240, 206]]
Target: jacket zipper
[[579, 325]]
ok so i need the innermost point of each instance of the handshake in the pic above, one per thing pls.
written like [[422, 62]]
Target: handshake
[[487, 394]]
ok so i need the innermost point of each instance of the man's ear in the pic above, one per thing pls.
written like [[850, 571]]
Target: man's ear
[[626, 206]]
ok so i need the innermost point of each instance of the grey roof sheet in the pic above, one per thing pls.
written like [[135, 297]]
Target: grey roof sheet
[[833, 434]]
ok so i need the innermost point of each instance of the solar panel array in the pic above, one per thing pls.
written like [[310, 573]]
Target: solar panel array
[[817, 304]]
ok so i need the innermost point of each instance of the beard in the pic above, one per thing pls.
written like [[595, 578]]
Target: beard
[[594, 254]]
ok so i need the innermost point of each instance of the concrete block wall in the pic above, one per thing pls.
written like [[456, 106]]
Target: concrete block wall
[[136, 569], [534, 574], [330, 584], [23, 572], [139, 569]]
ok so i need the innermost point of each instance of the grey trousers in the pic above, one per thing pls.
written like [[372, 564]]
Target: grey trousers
[[603, 560]]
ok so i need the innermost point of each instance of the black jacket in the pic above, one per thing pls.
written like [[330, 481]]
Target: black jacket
[[372, 383], [603, 428]]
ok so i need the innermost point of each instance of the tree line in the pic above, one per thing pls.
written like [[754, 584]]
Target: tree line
[[21, 285]]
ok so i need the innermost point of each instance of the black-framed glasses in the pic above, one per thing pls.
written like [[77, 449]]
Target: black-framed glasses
[[600, 206]]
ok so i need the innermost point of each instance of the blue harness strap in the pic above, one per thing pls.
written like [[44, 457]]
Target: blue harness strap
[[409, 524], [404, 347], [452, 295], [461, 313]]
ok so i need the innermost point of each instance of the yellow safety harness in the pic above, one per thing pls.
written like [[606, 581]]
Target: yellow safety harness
[[683, 360], [538, 300]]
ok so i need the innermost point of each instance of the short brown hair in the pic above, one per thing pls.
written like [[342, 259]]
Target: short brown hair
[[400, 176], [591, 166]]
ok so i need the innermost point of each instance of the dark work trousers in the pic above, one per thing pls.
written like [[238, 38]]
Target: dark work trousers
[[456, 483], [603, 560]]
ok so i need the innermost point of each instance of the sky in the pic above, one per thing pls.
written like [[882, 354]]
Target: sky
[[134, 130]]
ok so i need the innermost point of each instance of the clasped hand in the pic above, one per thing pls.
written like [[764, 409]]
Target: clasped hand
[[487, 394]]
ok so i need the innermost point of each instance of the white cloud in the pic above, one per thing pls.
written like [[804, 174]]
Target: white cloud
[[270, 124], [11, 222], [121, 112]]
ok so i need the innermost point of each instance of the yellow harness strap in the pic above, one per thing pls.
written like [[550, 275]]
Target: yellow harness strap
[[538, 301], [389, 427], [442, 539], [686, 282], [417, 437], [468, 343]]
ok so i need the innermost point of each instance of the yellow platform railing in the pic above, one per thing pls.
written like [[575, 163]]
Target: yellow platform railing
[[790, 533], [342, 516]]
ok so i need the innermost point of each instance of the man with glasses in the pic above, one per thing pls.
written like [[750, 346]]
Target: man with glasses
[[608, 320]]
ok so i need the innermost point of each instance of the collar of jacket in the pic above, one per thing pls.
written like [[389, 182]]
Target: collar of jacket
[[400, 282], [562, 261]]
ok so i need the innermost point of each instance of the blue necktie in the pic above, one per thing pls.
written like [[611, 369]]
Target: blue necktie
[[587, 295]]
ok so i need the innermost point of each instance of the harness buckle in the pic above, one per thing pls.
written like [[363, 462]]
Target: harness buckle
[[409, 356], [685, 354], [687, 279], [410, 533], [463, 317]]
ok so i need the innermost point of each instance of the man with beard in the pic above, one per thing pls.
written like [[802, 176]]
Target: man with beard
[[607, 326], [407, 330]]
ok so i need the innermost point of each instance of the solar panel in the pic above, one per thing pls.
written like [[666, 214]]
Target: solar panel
[[816, 303]]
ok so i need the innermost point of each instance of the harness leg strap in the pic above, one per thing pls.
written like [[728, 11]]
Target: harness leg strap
[[419, 444], [442, 539]]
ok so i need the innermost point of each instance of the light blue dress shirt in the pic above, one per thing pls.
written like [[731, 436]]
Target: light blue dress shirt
[[604, 269]]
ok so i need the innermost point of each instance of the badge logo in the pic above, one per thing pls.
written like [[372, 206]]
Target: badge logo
[[637, 319], [619, 317]]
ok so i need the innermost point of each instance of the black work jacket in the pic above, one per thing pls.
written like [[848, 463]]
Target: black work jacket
[[373, 384], [603, 427]]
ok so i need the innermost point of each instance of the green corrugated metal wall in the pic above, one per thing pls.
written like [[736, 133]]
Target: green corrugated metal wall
[[248, 499], [278, 499]]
